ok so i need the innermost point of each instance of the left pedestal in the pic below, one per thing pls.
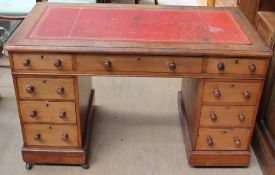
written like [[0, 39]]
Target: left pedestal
[[56, 114]]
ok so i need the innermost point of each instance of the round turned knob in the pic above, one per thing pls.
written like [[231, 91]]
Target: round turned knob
[[213, 116], [241, 117], [29, 89], [210, 141], [107, 64], [60, 90], [252, 67], [172, 66], [65, 136], [37, 136], [57, 63], [26, 62], [33, 113], [221, 66], [217, 93], [246, 94], [62, 114], [237, 141]]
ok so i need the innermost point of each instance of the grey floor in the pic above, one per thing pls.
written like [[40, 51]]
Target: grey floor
[[136, 129]]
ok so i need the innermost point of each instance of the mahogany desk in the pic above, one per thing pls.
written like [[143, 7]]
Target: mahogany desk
[[217, 53]]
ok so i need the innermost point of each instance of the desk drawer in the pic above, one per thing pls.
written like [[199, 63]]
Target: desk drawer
[[223, 139], [120, 64], [237, 66], [51, 112], [51, 135], [45, 88], [233, 92], [30, 61], [227, 116]]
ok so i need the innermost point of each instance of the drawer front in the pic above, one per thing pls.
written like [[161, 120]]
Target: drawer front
[[237, 66], [227, 116], [52, 112], [45, 88], [108, 64], [223, 139], [30, 61], [51, 135], [238, 92]]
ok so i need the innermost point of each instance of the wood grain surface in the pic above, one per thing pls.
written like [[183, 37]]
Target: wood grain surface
[[42, 61], [45, 88], [231, 92], [51, 135], [48, 111], [227, 116], [223, 139]]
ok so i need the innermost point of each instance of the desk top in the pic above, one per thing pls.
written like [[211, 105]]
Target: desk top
[[138, 25], [162, 30]]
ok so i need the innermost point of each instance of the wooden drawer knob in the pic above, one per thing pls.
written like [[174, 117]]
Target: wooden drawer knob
[[221, 66], [252, 67], [237, 141], [62, 114], [26, 62], [217, 93], [213, 116], [37, 136], [60, 90], [210, 141], [246, 94], [33, 114], [172, 65], [57, 63], [107, 64], [241, 117], [65, 136], [29, 89]]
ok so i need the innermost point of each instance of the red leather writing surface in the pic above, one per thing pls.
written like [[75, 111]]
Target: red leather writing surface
[[140, 25]]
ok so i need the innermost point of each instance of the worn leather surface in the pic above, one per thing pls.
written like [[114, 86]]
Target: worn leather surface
[[139, 25]]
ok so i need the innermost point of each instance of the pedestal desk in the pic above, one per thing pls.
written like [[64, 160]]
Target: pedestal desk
[[219, 56]]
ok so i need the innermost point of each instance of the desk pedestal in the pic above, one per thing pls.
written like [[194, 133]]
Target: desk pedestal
[[209, 158], [73, 156]]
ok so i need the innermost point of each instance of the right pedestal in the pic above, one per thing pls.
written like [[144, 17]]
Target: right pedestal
[[218, 118]]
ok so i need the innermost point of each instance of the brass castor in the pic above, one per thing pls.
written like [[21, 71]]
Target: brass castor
[[28, 166], [85, 166]]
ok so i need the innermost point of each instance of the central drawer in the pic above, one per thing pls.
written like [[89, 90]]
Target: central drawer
[[223, 139], [51, 135], [46, 88], [157, 64], [44, 111]]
